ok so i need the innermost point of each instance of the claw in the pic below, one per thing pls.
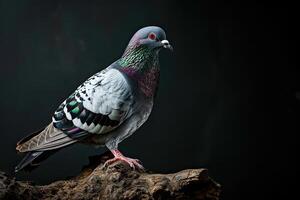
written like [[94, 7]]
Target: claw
[[133, 163]]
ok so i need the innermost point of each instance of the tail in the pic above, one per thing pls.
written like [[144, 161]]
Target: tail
[[43, 143], [33, 159], [27, 161]]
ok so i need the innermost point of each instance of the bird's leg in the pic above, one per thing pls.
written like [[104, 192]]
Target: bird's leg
[[133, 163]]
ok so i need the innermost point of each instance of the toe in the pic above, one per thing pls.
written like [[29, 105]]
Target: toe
[[131, 164], [138, 161], [110, 161]]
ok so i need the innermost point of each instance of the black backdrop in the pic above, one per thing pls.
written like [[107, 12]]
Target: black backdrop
[[227, 99]]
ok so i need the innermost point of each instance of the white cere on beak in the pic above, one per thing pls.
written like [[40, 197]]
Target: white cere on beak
[[166, 44]]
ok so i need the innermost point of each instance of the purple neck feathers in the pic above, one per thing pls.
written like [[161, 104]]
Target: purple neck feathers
[[147, 80]]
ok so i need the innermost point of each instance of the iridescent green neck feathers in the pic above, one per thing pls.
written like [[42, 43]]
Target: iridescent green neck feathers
[[138, 57], [141, 64]]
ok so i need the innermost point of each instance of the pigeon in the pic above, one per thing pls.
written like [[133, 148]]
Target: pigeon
[[107, 108]]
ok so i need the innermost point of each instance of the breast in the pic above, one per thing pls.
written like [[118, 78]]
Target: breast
[[143, 111], [148, 82]]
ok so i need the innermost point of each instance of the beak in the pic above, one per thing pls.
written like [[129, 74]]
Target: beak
[[166, 45]]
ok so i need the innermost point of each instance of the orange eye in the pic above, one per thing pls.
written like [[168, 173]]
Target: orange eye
[[152, 36]]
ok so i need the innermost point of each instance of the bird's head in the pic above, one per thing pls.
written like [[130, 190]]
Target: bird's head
[[151, 37]]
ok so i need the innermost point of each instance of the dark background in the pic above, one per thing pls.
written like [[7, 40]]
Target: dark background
[[227, 100]]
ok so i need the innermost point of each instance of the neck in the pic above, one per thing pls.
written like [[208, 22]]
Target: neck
[[141, 64], [137, 56]]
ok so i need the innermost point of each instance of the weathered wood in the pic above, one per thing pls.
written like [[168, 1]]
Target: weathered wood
[[116, 181]]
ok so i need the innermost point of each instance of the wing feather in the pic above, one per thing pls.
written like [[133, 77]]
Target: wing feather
[[48, 139], [99, 105]]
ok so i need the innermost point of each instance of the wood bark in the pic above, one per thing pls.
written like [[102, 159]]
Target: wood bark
[[115, 181]]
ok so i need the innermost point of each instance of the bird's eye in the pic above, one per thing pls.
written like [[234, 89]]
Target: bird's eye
[[152, 36]]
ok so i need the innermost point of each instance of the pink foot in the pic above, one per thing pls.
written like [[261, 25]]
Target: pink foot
[[133, 163]]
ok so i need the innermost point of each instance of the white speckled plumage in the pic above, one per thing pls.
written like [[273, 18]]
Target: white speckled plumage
[[107, 93]]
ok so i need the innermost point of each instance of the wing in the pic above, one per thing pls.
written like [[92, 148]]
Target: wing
[[49, 138], [42, 144], [98, 106]]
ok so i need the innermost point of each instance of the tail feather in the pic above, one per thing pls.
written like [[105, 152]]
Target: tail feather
[[28, 160], [33, 159], [41, 144]]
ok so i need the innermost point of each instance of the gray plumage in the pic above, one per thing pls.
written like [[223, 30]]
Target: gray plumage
[[108, 107]]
